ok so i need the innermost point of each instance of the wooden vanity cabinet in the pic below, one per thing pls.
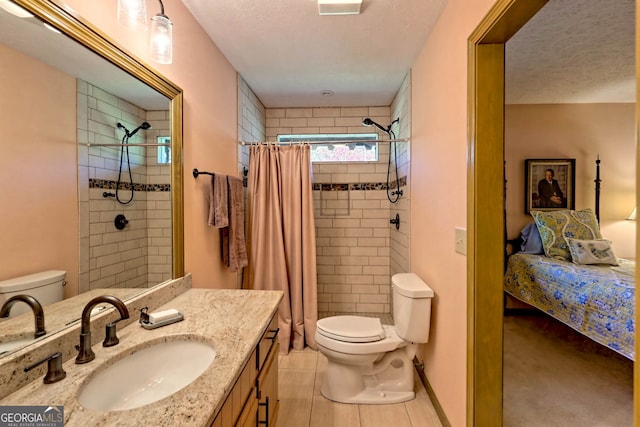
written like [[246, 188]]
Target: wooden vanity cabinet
[[253, 401]]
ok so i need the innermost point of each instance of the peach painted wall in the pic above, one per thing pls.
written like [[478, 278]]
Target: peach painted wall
[[577, 131], [439, 193], [38, 172], [210, 121]]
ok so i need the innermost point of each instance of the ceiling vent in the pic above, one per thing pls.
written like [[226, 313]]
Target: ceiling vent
[[339, 7]]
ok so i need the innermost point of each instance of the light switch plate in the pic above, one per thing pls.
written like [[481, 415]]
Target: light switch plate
[[461, 240]]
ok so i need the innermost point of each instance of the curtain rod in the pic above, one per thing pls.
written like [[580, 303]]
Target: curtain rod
[[343, 141], [166, 144]]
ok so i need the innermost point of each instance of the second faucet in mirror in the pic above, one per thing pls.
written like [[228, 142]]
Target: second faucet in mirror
[[36, 307]]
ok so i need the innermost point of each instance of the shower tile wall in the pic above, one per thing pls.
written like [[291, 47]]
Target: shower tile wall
[[251, 121], [110, 257], [400, 241], [353, 234], [251, 128], [159, 227]]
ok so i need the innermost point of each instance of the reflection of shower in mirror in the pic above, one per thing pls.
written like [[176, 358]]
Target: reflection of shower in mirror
[[124, 149]]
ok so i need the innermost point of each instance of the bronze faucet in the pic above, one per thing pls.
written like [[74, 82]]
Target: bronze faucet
[[85, 354], [35, 307]]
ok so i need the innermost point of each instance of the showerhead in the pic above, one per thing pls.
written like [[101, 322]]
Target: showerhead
[[369, 122], [144, 126]]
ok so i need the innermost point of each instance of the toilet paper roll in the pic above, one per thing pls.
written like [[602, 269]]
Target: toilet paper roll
[[161, 316]]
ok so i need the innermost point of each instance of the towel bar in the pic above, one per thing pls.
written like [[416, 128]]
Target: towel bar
[[196, 172]]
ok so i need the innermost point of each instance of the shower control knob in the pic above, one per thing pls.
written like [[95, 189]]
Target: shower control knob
[[120, 221], [396, 221]]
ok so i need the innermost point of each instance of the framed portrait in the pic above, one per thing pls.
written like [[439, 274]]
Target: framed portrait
[[549, 184]]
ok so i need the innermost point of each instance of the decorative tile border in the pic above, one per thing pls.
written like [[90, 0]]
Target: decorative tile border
[[359, 186], [111, 185]]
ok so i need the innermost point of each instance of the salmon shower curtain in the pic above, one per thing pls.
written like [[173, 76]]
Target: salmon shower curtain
[[282, 237]]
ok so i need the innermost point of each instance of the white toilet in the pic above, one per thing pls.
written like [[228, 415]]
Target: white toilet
[[371, 363], [46, 287]]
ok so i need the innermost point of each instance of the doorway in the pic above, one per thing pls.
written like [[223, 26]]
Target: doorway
[[485, 217]]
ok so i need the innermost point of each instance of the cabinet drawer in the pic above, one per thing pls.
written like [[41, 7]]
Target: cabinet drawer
[[267, 342], [248, 417], [267, 385], [244, 386]]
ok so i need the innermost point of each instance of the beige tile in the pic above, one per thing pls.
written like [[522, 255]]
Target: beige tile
[[295, 392], [306, 359], [395, 415], [326, 413], [320, 369], [418, 387], [422, 413]]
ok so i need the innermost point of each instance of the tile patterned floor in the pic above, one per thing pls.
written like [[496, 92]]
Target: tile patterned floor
[[301, 404]]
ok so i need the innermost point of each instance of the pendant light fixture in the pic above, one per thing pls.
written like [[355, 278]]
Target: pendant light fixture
[[132, 14], [161, 40]]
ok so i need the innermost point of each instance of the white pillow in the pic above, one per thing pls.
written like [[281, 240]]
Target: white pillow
[[597, 251]]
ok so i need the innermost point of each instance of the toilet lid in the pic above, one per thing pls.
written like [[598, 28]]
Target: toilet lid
[[351, 328]]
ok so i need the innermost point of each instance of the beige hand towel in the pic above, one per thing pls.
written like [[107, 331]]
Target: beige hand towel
[[219, 202], [237, 246]]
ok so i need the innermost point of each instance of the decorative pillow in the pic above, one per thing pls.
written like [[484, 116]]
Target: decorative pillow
[[556, 226], [531, 242], [592, 251]]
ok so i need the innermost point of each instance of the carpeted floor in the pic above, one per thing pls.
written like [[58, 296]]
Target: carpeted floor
[[554, 376]]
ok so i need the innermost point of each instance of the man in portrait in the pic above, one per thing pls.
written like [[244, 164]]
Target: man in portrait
[[549, 192]]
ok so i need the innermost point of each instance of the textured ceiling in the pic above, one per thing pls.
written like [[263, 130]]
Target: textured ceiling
[[289, 54], [571, 51], [574, 51]]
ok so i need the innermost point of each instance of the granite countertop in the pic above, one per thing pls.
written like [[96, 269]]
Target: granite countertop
[[231, 320]]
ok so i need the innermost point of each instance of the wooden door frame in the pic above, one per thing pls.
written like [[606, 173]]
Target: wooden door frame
[[485, 206]]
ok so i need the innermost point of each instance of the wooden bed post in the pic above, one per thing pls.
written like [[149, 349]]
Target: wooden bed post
[[597, 181]]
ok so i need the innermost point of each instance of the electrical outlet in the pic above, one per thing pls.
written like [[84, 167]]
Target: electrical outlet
[[461, 240]]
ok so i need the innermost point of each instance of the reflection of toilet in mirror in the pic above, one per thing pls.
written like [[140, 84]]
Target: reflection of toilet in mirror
[[46, 287], [371, 363]]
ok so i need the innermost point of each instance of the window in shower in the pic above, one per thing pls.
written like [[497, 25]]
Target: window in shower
[[343, 147], [164, 151]]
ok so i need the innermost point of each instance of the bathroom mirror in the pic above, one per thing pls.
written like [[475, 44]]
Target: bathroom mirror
[[57, 147]]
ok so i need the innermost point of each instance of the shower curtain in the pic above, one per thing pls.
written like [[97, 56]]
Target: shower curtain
[[282, 238]]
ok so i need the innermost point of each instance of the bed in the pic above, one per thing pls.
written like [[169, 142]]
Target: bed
[[595, 300], [563, 267]]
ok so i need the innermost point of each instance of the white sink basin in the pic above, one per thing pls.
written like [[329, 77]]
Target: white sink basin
[[147, 375]]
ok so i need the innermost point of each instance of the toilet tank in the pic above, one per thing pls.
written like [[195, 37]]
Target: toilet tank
[[411, 307], [46, 287]]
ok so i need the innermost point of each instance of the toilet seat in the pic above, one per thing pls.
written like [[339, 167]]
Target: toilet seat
[[354, 329], [390, 342]]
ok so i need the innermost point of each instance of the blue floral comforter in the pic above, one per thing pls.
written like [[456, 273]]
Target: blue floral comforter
[[597, 301]]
